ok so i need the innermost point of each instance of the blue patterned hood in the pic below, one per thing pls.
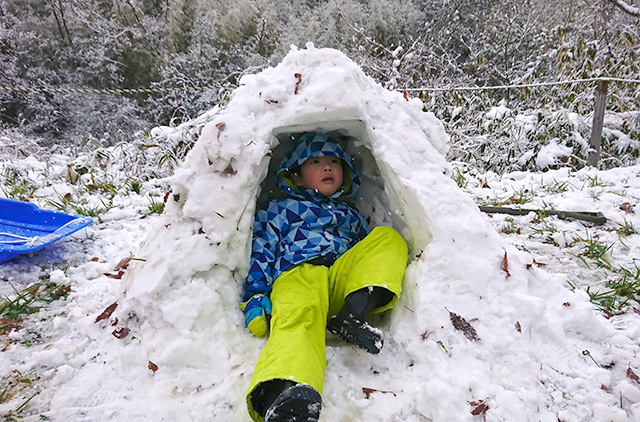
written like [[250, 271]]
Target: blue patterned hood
[[311, 145]]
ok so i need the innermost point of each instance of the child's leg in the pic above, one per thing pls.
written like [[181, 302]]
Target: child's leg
[[295, 350], [379, 260], [368, 278]]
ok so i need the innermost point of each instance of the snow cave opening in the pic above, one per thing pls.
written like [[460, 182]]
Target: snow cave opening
[[376, 198], [372, 198]]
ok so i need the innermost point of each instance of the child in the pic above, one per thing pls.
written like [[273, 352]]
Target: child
[[314, 259]]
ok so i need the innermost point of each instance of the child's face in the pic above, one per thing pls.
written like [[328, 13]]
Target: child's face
[[322, 174]]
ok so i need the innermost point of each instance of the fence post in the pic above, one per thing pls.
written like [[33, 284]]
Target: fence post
[[598, 120]]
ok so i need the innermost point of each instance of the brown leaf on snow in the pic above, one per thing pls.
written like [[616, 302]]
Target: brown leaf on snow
[[461, 324], [123, 264], [632, 375], [107, 312], [536, 263], [153, 367], [221, 126], [479, 407], [298, 76], [7, 325], [121, 332], [627, 207], [505, 265], [368, 391], [518, 327], [116, 276]]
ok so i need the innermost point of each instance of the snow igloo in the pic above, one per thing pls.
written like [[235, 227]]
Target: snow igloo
[[181, 302], [230, 172]]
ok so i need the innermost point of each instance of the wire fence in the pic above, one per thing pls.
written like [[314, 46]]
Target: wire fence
[[212, 87], [600, 97], [531, 85], [113, 91]]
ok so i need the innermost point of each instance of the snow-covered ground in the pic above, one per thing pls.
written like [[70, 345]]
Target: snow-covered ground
[[495, 322]]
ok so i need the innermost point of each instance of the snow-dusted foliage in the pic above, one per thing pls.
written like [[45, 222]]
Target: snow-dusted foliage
[[176, 47]]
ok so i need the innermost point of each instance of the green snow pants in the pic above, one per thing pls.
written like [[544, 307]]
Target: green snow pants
[[306, 296]]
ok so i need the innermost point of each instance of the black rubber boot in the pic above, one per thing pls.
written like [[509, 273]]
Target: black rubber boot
[[267, 393], [300, 403], [350, 324]]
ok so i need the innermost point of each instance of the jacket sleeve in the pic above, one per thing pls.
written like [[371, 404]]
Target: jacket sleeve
[[266, 237]]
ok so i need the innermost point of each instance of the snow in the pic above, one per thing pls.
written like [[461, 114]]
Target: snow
[[544, 352], [552, 154]]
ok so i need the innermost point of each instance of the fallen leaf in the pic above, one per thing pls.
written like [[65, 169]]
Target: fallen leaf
[[121, 332], [461, 324], [221, 126], [153, 367], [627, 207], [368, 391], [298, 76], [406, 96], [122, 265], [107, 312], [505, 265], [632, 375], [7, 325], [117, 276], [480, 408], [518, 327], [536, 263]]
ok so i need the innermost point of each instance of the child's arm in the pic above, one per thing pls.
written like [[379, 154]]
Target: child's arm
[[266, 237]]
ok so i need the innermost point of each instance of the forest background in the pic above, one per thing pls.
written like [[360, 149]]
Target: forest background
[[65, 66]]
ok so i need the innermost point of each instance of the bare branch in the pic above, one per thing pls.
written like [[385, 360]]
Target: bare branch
[[626, 7]]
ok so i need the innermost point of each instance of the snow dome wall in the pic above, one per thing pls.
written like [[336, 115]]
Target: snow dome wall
[[397, 146], [181, 303]]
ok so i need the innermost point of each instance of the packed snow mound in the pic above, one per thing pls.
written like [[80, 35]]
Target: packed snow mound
[[478, 329]]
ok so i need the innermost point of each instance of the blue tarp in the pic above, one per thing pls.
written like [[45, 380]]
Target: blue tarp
[[24, 227]]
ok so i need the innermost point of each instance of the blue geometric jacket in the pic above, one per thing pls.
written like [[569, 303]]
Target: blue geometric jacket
[[306, 225]]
